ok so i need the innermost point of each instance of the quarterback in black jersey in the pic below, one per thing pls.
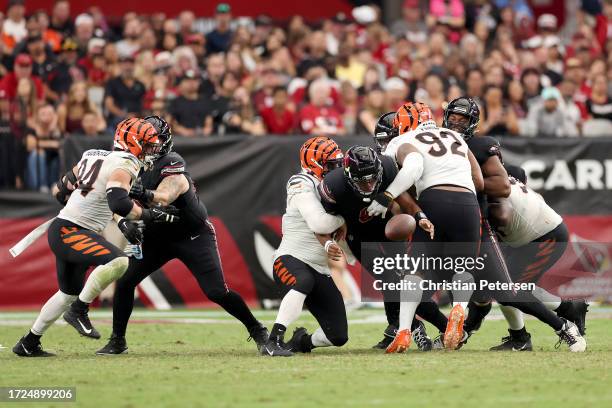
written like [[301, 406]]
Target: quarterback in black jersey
[[347, 191], [462, 115], [192, 241]]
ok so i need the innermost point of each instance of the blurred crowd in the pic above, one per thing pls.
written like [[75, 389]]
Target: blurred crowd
[[63, 74]]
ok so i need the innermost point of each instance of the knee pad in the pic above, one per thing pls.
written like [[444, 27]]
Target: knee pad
[[339, 340], [118, 266]]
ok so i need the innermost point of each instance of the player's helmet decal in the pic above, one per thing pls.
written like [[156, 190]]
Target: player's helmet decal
[[138, 137], [319, 155], [466, 108], [164, 133], [384, 131], [363, 170], [410, 115]]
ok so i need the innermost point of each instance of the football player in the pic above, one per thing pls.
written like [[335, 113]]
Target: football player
[[301, 260], [446, 176], [462, 115], [92, 191], [536, 237], [347, 192], [192, 240]]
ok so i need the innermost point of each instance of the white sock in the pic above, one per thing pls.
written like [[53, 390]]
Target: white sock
[[409, 301], [551, 301], [319, 339], [51, 311], [290, 307], [462, 297], [513, 316], [101, 277]]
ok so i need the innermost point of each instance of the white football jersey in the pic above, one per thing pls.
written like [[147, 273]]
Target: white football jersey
[[88, 205], [445, 156], [531, 216], [298, 240]]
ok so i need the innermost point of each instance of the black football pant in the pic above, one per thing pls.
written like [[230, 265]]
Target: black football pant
[[76, 249], [200, 255], [323, 298]]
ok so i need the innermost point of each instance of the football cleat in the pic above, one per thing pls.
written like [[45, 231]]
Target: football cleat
[[24, 348], [464, 339], [515, 342], [400, 343], [454, 328], [295, 344], [576, 313], [274, 348], [79, 319], [438, 343], [388, 336], [570, 335], [260, 335], [420, 337], [116, 345]]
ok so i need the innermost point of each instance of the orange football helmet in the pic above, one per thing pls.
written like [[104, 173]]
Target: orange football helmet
[[138, 137], [319, 155], [410, 115]]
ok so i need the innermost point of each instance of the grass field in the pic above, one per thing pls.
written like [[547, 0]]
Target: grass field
[[202, 359]]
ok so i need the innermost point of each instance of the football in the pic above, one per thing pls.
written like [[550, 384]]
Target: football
[[400, 227]]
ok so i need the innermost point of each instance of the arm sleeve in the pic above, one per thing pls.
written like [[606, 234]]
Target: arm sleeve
[[411, 171], [314, 214]]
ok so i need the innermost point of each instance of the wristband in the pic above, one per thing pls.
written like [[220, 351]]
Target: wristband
[[420, 215]]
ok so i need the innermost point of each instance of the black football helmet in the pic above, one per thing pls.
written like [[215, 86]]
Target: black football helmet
[[467, 108], [363, 170], [385, 131], [164, 133]]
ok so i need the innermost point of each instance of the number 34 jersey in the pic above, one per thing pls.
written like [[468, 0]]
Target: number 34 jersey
[[88, 205], [445, 156]]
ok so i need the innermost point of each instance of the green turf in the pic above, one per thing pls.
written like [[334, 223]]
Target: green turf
[[212, 365]]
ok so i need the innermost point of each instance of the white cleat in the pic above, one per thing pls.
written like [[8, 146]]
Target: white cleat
[[569, 334]]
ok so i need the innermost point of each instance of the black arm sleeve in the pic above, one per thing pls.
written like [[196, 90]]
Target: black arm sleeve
[[119, 201], [62, 185]]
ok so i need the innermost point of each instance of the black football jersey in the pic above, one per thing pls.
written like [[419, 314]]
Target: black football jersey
[[339, 198], [484, 147], [192, 211]]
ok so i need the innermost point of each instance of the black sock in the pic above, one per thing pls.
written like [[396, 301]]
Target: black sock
[[564, 307], [476, 314], [430, 311], [518, 334], [233, 303], [278, 332], [392, 312], [79, 305], [32, 338]]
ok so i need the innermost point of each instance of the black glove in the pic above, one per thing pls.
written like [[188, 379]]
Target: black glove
[[131, 231], [385, 199], [140, 193], [157, 215]]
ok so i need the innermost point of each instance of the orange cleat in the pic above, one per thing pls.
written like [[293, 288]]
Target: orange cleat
[[400, 343], [454, 328]]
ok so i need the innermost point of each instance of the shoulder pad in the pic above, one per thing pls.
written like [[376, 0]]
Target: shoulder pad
[[299, 183]]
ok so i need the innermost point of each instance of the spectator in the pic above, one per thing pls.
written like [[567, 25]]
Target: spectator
[[241, 116], [60, 18], [219, 39], [412, 24], [396, 92], [189, 114], [373, 108], [90, 124], [22, 69], [348, 68], [349, 106], [568, 89], [516, 100], [434, 96], [546, 118], [599, 104], [123, 94], [71, 112], [130, 44], [83, 31], [474, 82], [530, 80], [14, 26], [279, 118], [215, 68], [318, 117], [9, 146], [52, 38], [186, 20], [575, 72], [497, 118], [42, 144], [43, 63]]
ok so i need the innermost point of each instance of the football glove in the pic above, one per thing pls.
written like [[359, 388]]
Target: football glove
[[380, 204], [140, 193], [157, 215], [131, 231]]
